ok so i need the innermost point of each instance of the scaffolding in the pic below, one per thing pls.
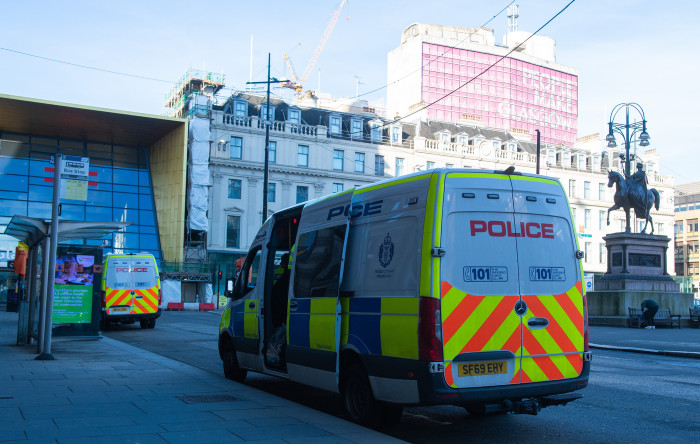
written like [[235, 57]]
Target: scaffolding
[[195, 81]]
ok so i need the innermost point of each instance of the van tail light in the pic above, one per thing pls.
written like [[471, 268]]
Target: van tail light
[[585, 323], [104, 300], [429, 330], [159, 297]]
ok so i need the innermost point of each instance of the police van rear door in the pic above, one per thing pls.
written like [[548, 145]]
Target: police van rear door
[[119, 294], [550, 281], [480, 292]]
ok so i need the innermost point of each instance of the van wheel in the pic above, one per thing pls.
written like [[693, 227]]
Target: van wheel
[[360, 405], [232, 370], [151, 323], [144, 323]]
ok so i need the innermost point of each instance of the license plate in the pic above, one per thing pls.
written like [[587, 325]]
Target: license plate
[[119, 310], [482, 368]]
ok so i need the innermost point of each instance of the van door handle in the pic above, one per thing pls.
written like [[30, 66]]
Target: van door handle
[[293, 305], [537, 322], [251, 304], [139, 296]]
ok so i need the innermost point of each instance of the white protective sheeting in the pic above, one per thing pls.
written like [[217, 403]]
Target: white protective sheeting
[[198, 168], [209, 293], [171, 292]]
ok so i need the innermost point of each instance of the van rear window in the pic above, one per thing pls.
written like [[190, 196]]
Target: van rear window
[[131, 274], [546, 253], [481, 256]]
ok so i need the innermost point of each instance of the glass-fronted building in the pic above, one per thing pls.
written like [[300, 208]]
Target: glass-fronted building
[[119, 190], [137, 175]]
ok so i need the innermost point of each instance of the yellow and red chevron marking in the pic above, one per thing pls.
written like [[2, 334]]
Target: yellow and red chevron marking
[[478, 323], [561, 340], [147, 304]]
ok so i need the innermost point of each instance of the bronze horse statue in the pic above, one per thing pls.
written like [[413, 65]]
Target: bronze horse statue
[[629, 194]]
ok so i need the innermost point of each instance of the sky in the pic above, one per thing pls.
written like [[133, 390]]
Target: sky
[[624, 50]]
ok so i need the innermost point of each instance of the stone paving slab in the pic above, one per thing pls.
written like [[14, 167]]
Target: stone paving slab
[[109, 392]]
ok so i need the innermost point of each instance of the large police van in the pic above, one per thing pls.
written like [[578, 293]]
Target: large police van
[[130, 290], [448, 286]]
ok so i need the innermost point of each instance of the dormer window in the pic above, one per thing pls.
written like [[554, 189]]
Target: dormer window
[[444, 137], [356, 129], [376, 131], [240, 108], [335, 122], [294, 115], [396, 134], [462, 140], [264, 111]]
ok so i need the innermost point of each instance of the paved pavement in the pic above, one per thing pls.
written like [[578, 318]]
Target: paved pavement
[[667, 341], [108, 391], [111, 391]]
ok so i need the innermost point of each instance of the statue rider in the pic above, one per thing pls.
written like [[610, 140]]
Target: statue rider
[[638, 180]]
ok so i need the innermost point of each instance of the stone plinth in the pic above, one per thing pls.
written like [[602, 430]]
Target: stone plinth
[[637, 270]]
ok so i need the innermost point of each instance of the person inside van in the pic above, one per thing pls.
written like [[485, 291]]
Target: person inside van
[[280, 291]]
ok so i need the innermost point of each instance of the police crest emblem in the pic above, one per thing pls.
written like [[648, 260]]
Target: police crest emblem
[[386, 251]]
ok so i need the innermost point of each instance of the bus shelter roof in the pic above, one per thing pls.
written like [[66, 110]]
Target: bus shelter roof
[[32, 230]]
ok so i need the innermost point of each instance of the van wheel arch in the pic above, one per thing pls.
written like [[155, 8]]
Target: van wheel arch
[[358, 399], [227, 352]]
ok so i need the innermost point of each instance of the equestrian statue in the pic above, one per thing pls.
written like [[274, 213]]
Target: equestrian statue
[[633, 193]]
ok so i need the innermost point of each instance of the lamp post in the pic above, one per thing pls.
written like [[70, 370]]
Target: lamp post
[[266, 170], [624, 131]]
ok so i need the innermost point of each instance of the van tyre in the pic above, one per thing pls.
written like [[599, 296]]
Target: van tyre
[[360, 405], [232, 370], [144, 323], [151, 323]]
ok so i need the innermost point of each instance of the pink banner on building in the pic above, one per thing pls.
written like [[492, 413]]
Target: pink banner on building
[[513, 95]]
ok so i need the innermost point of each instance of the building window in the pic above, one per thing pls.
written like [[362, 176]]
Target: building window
[[240, 109], [236, 150], [572, 188], [335, 124], [429, 165], [376, 132], [586, 190], [602, 221], [271, 191], [449, 165], [395, 134], [356, 129], [587, 219], [398, 171], [233, 231], [264, 111], [303, 155], [272, 152], [234, 189], [462, 140], [587, 252], [660, 229], [302, 194], [360, 163], [338, 160], [573, 216], [602, 257], [337, 187], [295, 116], [601, 191], [378, 165], [444, 137]]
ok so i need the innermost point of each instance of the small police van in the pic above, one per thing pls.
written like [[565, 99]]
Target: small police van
[[448, 286], [130, 290]]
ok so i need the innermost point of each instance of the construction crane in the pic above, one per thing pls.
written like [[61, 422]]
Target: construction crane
[[298, 83]]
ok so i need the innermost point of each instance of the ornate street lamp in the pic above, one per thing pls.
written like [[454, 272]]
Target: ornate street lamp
[[630, 129]]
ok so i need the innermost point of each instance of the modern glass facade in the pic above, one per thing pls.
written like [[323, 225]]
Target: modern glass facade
[[120, 189]]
